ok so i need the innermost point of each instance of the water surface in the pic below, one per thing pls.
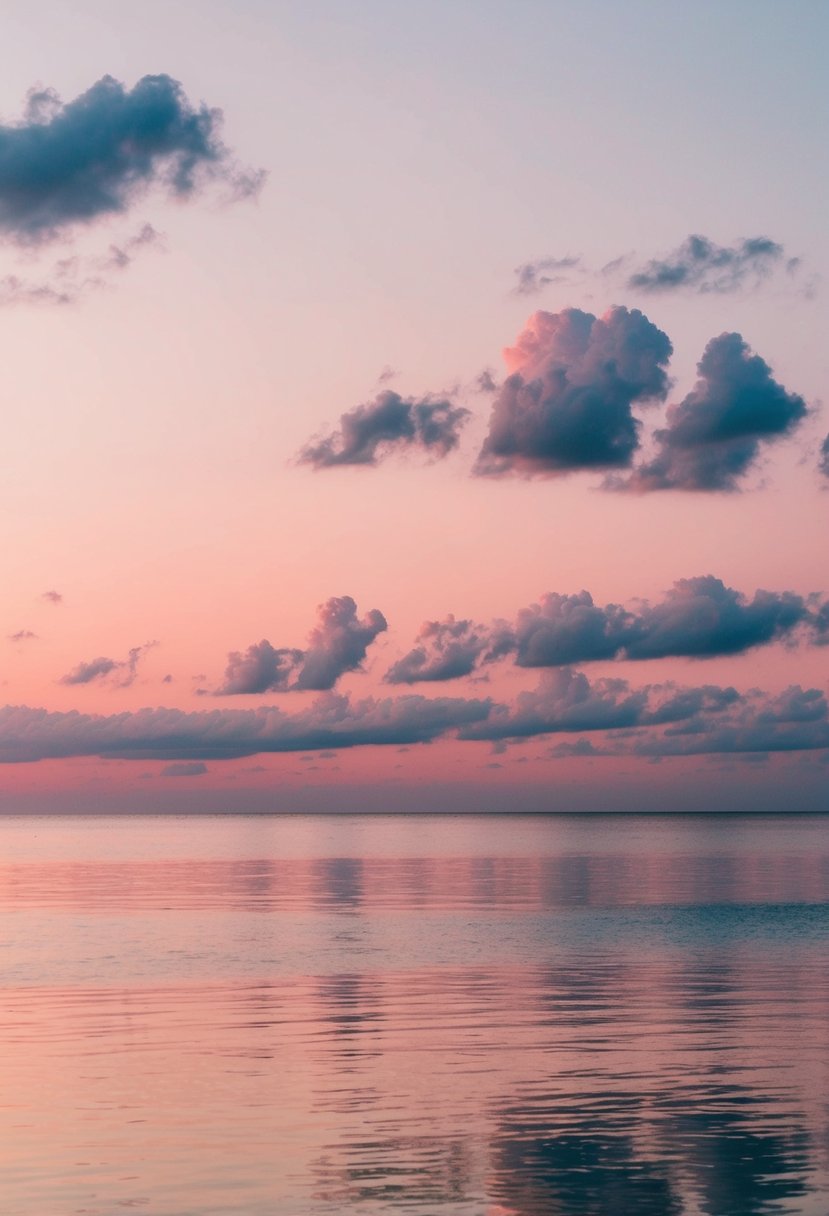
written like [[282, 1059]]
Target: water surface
[[252, 1016]]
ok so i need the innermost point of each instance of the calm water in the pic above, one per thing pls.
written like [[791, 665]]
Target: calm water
[[475, 1016]]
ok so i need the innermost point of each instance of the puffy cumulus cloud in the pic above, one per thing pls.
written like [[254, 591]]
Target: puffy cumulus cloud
[[445, 650], [389, 423], [701, 617], [565, 700], [71, 278], [703, 266], [261, 668], [123, 672], [714, 435], [567, 402], [332, 722], [697, 618], [65, 165], [535, 276], [563, 629], [337, 644]]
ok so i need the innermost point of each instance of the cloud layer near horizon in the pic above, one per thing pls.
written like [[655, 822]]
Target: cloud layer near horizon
[[675, 720], [68, 164]]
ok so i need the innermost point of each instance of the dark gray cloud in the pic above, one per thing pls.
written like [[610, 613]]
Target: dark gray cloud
[[389, 423], [52, 597], [68, 165], [535, 276], [697, 618], [332, 721], [123, 672], [185, 768], [338, 644], [22, 635], [703, 266], [563, 629], [714, 435], [567, 403], [444, 650], [701, 617], [823, 464], [72, 278]]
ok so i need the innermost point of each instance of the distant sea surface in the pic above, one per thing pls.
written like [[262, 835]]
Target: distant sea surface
[[471, 1015]]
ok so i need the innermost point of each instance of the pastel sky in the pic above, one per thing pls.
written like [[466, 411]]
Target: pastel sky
[[414, 407]]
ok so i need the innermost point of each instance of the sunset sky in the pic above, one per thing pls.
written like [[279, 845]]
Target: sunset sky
[[414, 407]]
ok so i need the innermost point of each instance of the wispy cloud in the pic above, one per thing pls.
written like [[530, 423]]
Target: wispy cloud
[[120, 673], [390, 423]]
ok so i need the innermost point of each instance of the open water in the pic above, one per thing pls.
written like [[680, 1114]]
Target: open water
[[424, 1016]]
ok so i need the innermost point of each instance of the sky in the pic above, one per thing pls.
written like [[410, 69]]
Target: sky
[[414, 407]]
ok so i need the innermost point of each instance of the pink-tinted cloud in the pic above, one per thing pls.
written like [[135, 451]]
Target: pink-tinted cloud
[[123, 672], [567, 403], [338, 644]]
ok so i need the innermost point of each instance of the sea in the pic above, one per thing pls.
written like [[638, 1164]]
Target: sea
[[421, 1015]]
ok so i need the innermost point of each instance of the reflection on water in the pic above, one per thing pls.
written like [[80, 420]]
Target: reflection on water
[[553, 1029]]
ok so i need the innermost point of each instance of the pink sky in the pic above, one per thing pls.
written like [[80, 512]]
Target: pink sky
[[154, 421]]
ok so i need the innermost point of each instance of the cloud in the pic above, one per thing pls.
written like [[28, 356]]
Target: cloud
[[333, 721], [535, 276], [701, 265], [444, 650], [67, 165], [22, 635], [124, 672], [823, 464], [697, 618], [185, 768], [261, 668], [657, 719], [369, 432], [714, 435], [567, 403], [52, 597], [338, 644], [71, 278], [701, 617], [660, 719]]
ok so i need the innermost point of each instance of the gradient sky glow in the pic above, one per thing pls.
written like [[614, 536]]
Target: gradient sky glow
[[416, 158]]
